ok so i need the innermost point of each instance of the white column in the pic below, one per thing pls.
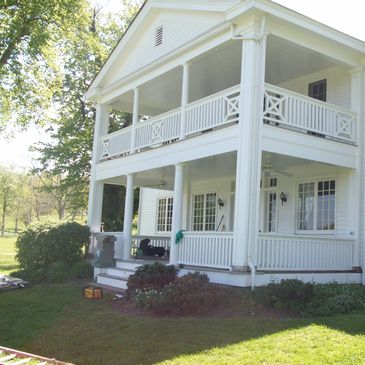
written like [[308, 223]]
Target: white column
[[177, 212], [184, 98], [128, 217], [135, 118], [249, 152], [96, 187], [356, 190]]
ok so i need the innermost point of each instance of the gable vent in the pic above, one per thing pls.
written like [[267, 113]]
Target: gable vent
[[158, 36]]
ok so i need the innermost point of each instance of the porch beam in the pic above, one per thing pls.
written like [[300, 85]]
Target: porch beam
[[177, 211], [249, 151], [135, 118], [96, 188], [128, 218], [184, 98]]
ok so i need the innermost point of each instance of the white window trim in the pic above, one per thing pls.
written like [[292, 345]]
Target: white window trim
[[212, 191], [315, 231], [157, 207]]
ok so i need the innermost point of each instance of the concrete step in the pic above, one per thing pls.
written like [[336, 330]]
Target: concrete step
[[129, 265], [113, 281], [121, 273]]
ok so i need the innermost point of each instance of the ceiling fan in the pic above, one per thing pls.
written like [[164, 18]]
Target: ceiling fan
[[269, 169]]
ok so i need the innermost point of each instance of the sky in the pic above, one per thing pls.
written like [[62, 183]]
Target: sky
[[346, 16]]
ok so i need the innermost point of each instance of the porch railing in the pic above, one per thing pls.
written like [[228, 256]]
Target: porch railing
[[213, 249], [281, 108], [285, 107], [298, 253], [156, 241], [215, 110]]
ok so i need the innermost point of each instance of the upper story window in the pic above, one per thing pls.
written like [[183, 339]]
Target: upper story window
[[318, 90], [158, 36]]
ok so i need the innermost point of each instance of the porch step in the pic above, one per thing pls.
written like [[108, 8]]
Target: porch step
[[111, 280], [129, 265], [119, 272]]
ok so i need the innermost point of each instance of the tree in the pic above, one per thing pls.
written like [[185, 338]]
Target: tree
[[29, 68], [68, 155], [6, 194]]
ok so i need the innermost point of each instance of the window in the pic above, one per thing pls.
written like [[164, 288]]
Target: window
[[204, 211], [158, 36], [271, 212], [318, 90], [316, 206], [164, 214]]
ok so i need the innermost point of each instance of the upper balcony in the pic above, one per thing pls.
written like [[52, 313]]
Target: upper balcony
[[282, 108], [212, 96]]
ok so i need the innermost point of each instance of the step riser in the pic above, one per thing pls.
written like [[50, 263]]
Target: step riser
[[127, 265], [120, 284], [123, 274]]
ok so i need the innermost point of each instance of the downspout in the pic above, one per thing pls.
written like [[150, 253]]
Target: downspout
[[253, 274]]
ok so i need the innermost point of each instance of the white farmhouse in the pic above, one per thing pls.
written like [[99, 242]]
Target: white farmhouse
[[251, 149]]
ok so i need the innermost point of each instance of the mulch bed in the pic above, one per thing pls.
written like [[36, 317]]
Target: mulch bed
[[239, 304]]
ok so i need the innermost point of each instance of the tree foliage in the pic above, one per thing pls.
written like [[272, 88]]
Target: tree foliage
[[67, 157], [29, 69]]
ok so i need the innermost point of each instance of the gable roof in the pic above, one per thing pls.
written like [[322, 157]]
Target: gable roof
[[229, 9]]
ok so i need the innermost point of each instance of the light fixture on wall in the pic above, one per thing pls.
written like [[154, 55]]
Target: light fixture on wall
[[283, 198], [220, 203]]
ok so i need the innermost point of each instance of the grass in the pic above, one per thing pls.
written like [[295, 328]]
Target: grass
[[7, 255], [55, 321]]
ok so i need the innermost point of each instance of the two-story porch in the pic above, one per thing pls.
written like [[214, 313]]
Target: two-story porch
[[247, 141]]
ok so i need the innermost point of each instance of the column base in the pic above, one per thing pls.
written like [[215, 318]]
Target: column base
[[237, 268]]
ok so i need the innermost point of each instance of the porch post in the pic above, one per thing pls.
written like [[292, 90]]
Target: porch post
[[135, 119], [249, 150], [355, 223], [184, 98], [128, 217], [96, 188], [176, 212]]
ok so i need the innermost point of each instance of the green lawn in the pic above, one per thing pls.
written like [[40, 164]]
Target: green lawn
[[7, 253], [56, 321]]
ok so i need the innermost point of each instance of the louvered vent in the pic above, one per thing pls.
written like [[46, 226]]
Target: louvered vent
[[159, 36]]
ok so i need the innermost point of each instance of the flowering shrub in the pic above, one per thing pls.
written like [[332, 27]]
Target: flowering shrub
[[154, 276], [190, 294]]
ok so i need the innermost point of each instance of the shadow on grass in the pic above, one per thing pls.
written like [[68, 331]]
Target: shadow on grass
[[56, 321]]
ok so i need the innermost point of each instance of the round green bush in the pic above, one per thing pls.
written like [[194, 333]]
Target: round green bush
[[43, 244]]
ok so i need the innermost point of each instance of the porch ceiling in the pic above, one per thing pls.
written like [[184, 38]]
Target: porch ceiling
[[198, 170], [286, 165], [286, 61]]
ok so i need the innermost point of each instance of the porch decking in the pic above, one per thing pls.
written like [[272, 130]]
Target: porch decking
[[282, 108]]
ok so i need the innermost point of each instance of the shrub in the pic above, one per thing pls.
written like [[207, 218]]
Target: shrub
[[334, 299], [154, 276], [291, 294], [312, 300], [190, 294], [44, 244], [81, 270], [58, 272]]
